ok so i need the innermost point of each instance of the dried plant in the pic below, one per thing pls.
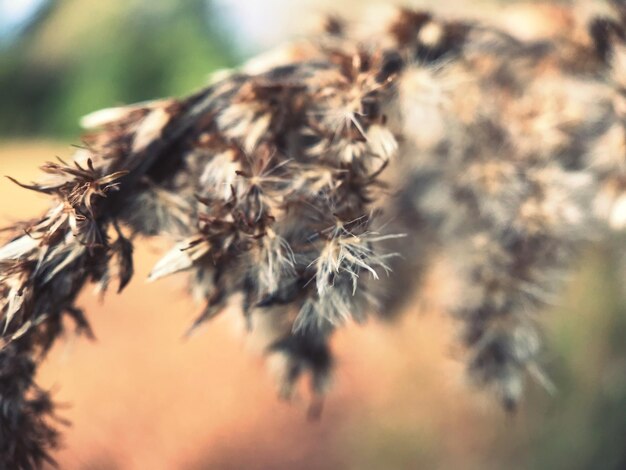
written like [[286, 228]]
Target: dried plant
[[319, 182]]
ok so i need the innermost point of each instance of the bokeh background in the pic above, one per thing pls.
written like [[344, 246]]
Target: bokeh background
[[142, 398]]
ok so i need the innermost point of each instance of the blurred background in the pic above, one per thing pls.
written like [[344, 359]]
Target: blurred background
[[142, 398]]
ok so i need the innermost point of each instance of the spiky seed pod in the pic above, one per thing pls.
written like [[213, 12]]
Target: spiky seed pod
[[318, 184]]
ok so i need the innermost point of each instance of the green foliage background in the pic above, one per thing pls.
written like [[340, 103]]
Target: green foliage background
[[79, 56]]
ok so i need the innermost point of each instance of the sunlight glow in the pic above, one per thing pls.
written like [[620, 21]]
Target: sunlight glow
[[13, 13]]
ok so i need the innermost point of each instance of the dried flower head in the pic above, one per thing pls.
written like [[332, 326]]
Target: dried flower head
[[317, 184]]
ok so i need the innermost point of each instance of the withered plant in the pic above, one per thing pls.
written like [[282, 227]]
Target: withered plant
[[317, 184]]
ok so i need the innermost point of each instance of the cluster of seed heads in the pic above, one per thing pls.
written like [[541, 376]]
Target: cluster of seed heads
[[316, 185]]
